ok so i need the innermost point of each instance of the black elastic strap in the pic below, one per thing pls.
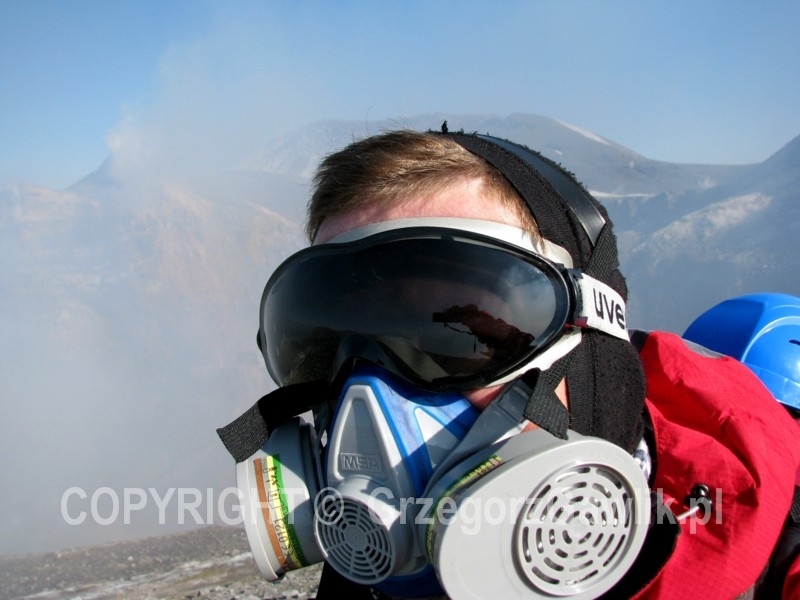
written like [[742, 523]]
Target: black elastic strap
[[551, 212], [552, 194], [575, 196], [604, 260], [544, 407], [246, 434]]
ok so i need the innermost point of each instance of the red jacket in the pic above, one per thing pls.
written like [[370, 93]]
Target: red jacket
[[791, 586], [715, 424], [791, 589]]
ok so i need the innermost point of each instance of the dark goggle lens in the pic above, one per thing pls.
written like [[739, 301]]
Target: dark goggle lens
[[441, 311]]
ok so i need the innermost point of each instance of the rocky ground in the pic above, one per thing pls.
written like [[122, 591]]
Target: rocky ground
[[213, 563]]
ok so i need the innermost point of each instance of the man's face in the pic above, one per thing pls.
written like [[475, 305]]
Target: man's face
[[466, 199]]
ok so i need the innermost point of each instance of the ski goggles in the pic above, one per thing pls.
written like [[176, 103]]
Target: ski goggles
[[443, 308]]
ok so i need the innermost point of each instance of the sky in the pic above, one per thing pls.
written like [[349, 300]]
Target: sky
[[200, 84]]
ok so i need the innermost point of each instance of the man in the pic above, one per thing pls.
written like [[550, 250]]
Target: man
[[466, 264]]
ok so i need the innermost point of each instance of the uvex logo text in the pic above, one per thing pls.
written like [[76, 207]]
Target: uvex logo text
[[608, 309]]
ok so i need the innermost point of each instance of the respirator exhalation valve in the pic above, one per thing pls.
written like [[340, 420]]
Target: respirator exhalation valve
[[578, 525], [353, 539]]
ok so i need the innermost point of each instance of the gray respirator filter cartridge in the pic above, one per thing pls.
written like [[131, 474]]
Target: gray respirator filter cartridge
[[546, 518], [278, 486]]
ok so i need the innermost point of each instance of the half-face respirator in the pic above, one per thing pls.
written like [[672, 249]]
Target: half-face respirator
[[402, 484], [415, 490]]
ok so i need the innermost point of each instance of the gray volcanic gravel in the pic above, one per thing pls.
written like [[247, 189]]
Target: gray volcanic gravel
[[212, 563]]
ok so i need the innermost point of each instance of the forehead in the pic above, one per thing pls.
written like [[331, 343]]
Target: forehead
[[466, 199]]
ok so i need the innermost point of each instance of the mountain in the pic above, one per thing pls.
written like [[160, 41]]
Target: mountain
[[128, 314], [740, 236], [129, 305]]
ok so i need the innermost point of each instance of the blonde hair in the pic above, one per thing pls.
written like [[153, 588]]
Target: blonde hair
[[388, 167]]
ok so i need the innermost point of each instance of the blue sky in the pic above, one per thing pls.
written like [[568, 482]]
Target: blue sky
[[201, 84]]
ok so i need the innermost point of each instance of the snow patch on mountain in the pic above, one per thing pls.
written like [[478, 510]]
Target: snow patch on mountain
[[584, 132], [605, 196], [712, 221]]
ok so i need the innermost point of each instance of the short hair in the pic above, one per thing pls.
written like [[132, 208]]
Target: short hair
[[388, 167]]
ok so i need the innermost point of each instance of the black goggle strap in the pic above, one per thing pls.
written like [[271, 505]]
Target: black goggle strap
[[575, 195], [604, 260], [246, 434], [550, 216], [549, 192]]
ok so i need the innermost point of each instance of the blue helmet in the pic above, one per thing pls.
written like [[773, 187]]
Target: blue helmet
[[762, 331]]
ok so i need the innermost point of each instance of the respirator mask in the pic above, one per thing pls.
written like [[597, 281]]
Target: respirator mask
[[397, 481]]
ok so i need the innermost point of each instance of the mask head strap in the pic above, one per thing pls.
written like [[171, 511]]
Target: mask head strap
[[247, 433], [543, 407]]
